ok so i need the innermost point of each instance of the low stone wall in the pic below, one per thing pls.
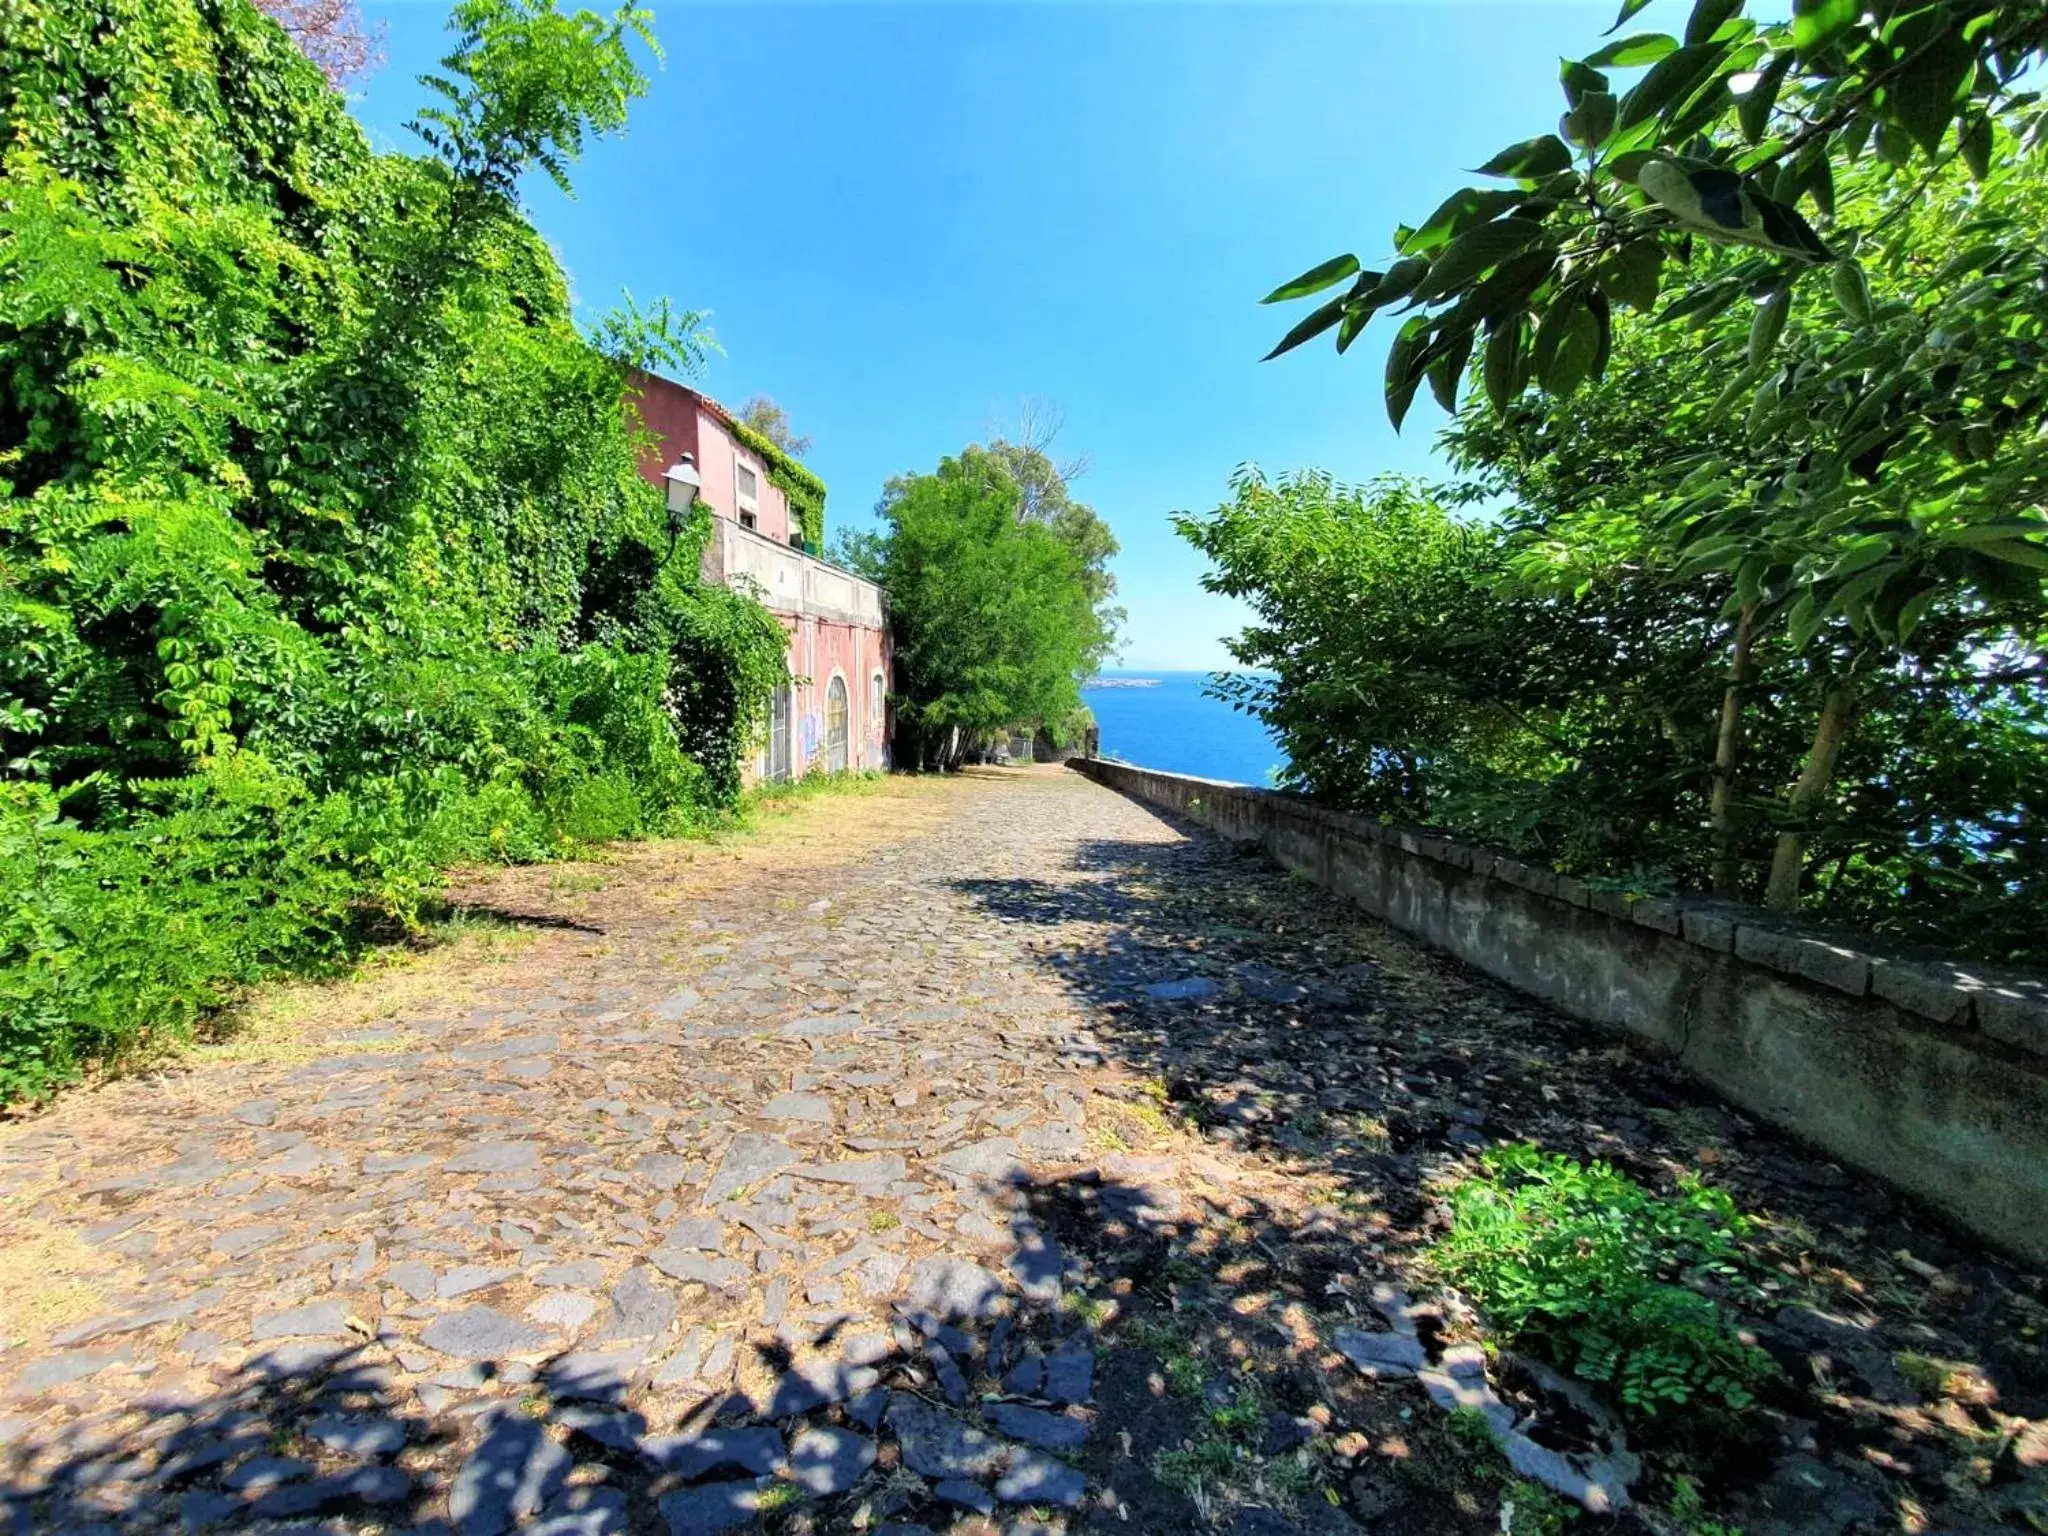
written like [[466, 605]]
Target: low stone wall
[[1931, 1076]]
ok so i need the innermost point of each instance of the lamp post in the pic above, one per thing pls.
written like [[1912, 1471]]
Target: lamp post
[[681, 482]]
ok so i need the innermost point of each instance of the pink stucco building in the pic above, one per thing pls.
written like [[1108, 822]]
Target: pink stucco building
[[834, 713]]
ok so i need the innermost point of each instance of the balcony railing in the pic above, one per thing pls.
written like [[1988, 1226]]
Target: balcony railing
[[787, 579]]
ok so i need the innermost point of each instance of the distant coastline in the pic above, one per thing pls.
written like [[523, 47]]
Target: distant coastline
[[1121, 682]]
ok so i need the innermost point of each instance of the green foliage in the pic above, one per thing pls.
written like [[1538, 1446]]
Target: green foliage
[[524, 84], [1544, 683], [1766, 604], [1377, 650], [994, 617], [1725, 134], [324, 560], [1045, 497], [1689, 1509], [806, 492], [1580, 1265], [1871, 179]]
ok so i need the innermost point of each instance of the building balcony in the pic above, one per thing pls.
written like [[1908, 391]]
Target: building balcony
[[787, 580]]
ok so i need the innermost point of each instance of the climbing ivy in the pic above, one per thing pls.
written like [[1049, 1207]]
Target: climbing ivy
[[806, 492], [324, 558]]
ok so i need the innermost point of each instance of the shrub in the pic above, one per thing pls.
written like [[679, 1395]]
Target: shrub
[[325, 561], [118, 937], [1579, 1264]]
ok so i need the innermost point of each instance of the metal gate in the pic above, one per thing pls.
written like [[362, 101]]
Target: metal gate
[[778, 736], [835, 726]]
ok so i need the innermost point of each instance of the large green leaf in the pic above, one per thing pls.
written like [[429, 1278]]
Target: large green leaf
[[2013, 552], [1577, 353], [1769, 324], [1314, 280], [1550, 333], [1448, 368], [1674, 78], [1818, 182], [1579, 80], [1529, 159], [1628, 52], [1400, 280], [1457, 213], [1317, 323], [1914, 610], [1816, 23], [1933, 88], [1989, 533], [1629, 273], [1852, 291], [1701, 304], [1474, 253], [1707, 17], [1754, 110], [1603, 331], [1628, 9], [1974, 140], [1355, 319], [1507, 287], [1501, 366], [1591, 121], [1402, 375]]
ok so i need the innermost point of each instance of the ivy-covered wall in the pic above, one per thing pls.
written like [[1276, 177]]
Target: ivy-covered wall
[[324, 560], [806, 492]]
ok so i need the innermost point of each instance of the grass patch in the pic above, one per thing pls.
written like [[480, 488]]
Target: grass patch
[[1180, 1360], [1526, 1508], [791, 794], [1095, 1311], [447, 968], [777, 1499], [1228, 1455], [48, 1280], [1689, 1509]]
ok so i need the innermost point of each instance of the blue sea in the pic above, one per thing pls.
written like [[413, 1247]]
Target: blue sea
[[1173, 725]]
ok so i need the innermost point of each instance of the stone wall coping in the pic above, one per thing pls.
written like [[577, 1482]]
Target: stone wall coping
[[1998, 1004]]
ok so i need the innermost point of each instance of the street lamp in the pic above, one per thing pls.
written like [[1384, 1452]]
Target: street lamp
[[682, 483]]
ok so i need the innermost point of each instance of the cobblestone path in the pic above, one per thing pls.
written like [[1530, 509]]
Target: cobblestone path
[[1047, 1169]]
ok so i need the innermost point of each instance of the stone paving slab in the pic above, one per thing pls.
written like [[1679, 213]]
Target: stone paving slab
[[803, 1199]]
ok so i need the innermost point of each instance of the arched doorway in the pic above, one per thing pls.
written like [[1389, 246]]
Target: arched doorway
[[835, 726]]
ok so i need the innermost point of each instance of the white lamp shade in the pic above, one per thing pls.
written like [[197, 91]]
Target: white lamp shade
[[682, 483]]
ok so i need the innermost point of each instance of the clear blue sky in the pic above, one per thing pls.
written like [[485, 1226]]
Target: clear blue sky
[[905, 219]]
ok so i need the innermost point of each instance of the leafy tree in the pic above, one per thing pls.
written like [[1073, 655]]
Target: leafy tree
[[993, 617], [772, 422], [1045, 498], [324, 558], [1549, 689], [1376, 656], [1405, 674], [1864, 450]]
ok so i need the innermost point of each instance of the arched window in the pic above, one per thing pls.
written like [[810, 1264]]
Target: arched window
[[835, 726]]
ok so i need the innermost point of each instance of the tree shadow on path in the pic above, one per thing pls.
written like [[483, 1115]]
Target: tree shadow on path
[[1358, 1073]]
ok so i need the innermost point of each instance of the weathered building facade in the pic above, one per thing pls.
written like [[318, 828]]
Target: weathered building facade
[[833, 713]]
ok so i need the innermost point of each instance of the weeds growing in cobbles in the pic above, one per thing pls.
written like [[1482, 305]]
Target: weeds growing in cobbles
[[1607, 1280]]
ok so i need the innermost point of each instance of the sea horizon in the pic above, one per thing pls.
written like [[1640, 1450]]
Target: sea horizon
[[1176, 726]]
